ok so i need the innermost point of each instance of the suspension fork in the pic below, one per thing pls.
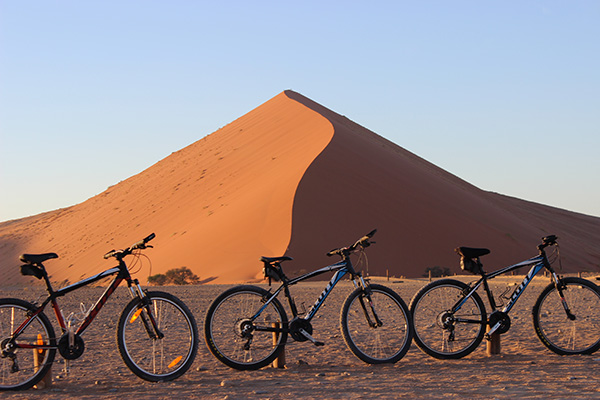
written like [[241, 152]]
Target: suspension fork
[[366, 296], [148, 318], [558, 283]]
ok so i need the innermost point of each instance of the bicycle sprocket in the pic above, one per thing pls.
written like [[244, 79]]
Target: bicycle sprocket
[[71, 352], [503, 318]]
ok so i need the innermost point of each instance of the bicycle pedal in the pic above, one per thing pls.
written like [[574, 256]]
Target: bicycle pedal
[[309, 337]]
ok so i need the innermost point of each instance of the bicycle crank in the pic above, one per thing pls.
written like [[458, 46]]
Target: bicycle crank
[[499, 322], [301, 331], [71, 348]]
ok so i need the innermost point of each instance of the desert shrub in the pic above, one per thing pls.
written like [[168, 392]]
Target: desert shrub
[[157, 280], [437, 271], [175, 276]]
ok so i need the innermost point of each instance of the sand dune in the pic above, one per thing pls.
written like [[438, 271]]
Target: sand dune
[[293, 177]]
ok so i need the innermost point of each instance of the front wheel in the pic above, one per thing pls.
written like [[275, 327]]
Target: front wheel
[[447, 324], [157, 337], [376, 325], [21, 365], [243, 331], [564, 334]]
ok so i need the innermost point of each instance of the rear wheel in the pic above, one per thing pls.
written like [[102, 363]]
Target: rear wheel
[[159, 351], [578, 333], [22, 368], [376, 325], [446, 324], [240, 329]]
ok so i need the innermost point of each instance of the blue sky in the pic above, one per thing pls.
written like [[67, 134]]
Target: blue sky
[[504, 94]]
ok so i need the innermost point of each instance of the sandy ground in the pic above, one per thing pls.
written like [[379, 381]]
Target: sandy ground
[[524, 370]]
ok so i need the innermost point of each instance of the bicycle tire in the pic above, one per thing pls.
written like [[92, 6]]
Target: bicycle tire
[[556, 331], [436, 333], [33, 365], [233, 310], [151, 358], [373, 344]]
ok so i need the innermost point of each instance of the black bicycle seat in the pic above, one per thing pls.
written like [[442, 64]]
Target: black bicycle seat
[[471, 252], [271, 260], [37, 258]]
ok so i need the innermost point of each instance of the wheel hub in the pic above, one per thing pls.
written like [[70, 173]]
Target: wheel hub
[[445, 320], [245, 328]]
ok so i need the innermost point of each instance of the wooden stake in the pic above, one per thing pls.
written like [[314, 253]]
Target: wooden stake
[[279, 362], [38, 359], [493, 345]]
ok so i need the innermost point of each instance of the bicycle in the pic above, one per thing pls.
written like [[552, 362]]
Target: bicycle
[[156, 332], [450, 317], [246, 327]]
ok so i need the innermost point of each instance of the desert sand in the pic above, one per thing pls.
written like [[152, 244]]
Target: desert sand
[[524, 370], [293, 177]]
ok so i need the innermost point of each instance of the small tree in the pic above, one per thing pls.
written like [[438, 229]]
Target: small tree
[[157, 280], [182, 276], [175, 276], [437, 271]]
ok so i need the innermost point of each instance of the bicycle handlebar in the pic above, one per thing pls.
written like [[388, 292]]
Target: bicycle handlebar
[[362, 243], [549, 240], [142, 244]]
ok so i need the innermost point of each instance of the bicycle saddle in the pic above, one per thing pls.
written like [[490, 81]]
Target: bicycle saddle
[[37, 258], [271, 260], [471, 252]]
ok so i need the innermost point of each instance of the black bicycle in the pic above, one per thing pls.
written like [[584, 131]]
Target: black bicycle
[[450, 318], [246, 327], [156, 334]]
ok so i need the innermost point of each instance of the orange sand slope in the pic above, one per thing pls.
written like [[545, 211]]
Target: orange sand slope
[[293, 177]]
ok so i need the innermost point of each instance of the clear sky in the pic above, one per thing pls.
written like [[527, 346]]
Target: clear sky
[[504, 94]]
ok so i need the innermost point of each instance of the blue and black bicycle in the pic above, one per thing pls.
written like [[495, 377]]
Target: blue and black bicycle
[[246, 326], [450, 319]]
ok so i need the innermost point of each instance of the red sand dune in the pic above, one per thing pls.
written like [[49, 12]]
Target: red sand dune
[[293, 177]]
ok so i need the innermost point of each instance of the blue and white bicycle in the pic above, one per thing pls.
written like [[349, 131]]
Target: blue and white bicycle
[[246, 326]]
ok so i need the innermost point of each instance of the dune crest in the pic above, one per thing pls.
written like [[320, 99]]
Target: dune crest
[[216, 206], [293, 177]]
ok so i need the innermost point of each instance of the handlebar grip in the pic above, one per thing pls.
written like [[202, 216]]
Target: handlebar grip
[[109, 254], [149, 238]]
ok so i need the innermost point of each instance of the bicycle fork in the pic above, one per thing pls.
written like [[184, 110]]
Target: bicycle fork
[[148, 318], [366, 297], [559, 288]]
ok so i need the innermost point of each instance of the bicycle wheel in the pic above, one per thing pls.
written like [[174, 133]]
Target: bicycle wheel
[[376, 325], [447, 326], [558, 332], [239, 328], [22, 368], [161, 354]]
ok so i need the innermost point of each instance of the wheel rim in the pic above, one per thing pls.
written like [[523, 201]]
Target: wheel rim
[[571, 336], [158, 357], [379, 343], [234, 336], [29, 361], [436, 326]]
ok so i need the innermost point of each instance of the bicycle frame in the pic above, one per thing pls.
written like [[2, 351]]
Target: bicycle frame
[[340, 268], [537, 263], [121, 272]]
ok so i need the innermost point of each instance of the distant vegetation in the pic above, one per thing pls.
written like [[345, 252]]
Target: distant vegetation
[[175, 276], [437, 271]]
